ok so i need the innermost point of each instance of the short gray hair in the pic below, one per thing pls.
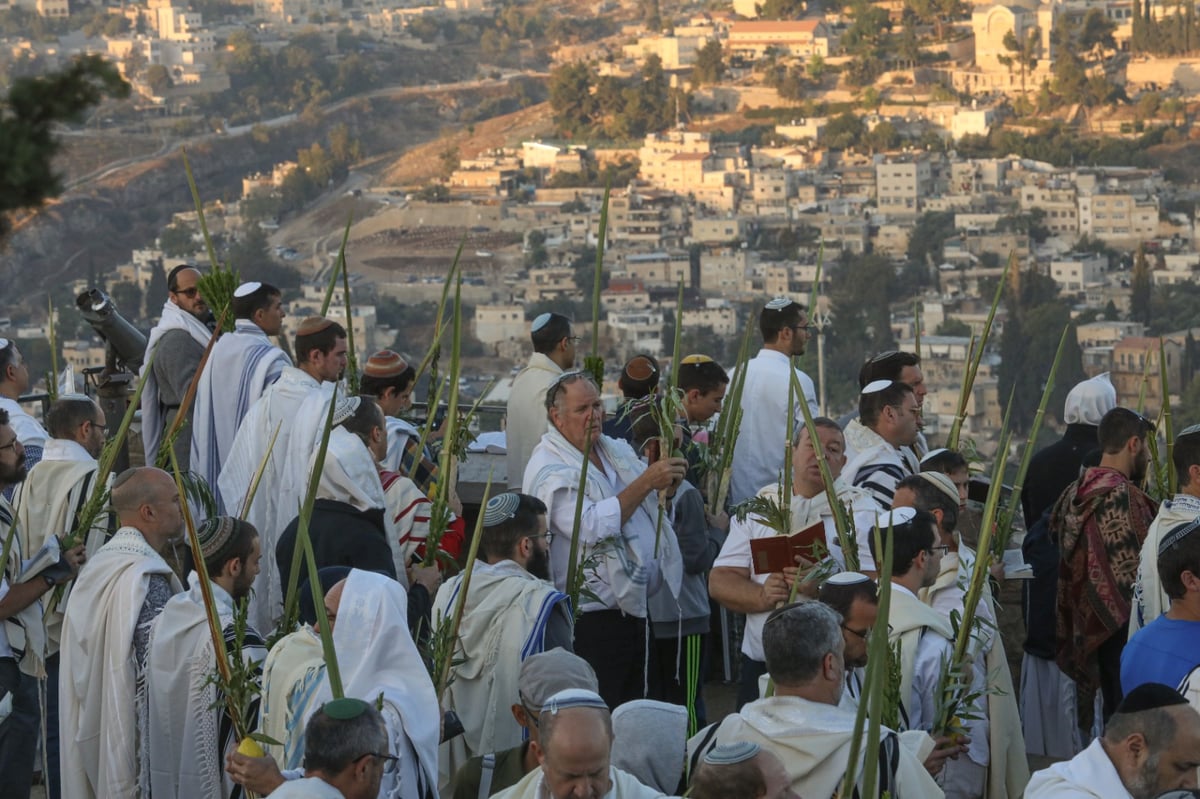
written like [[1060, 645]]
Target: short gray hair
[[330, 745], [796, 639], [560, 383]]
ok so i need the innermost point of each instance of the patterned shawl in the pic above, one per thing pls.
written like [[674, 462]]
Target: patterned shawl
[[1100, 522]]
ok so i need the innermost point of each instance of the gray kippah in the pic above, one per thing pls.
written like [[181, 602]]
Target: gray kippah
[[540, 321], [730, 754], [942, 483], [500, 509], [346, 406], [573, 697], [778, 304]]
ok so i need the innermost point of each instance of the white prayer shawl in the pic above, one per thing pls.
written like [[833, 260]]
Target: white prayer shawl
[[860, 437], [240, 367], [377, 656], [996, 738], [626, 555], [26, 629], [526, 417], [29, 431], [504, 622], [762, 439], [407, 519], [275, 409], [1049, 719], [1089, 775], [813, 740], [908, 620], [47, 501], [877, 468], [1149, 599], [624, 786], [296, 660], [300, 450], [349, 474], [185, 751], [398, 433], [98, 710], [153, 411]]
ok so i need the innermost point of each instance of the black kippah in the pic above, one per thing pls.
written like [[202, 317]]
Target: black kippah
[[1150, 696]]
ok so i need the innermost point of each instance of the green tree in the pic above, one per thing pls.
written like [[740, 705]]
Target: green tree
[[1139, 301], [953, 327], [710, 64], [843, 131], [882, 137], [816, 67], [156, 288], [28, 115], [571, 98], [176, 241], [783, 9], [929, 236], [1023, 53]]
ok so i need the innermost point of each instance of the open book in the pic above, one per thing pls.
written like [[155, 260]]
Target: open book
[[774, 553]]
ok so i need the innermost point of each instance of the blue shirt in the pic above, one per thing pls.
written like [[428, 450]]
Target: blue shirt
[[1164, 651]]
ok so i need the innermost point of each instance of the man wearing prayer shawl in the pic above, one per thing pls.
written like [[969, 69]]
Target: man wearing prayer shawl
[[378, 659], [574, 749], [1048, 712], [103, 713], [240, 367], [335, 764], [347, 526], [512, 612], [1150, 600], [890, 416], [321, 353], [1151, 745], [190, 726], [995, 761], [617, 532], [48, 504], [553, 351], [803, 723], [1099, 524], [177, 345], [14, 381], [21, 626]]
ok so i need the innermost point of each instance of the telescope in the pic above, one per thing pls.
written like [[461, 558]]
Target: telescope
[[124, 344]]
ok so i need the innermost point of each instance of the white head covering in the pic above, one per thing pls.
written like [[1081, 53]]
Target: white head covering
[[376, 654], [350, 474], [1088, 401]]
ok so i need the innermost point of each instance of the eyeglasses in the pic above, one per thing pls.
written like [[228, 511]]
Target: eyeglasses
[[548, 535], [190, 293], [574, 339], [103, 428], [10, 445], [941, 550], [863, 634], [389, 761], [804, 327]]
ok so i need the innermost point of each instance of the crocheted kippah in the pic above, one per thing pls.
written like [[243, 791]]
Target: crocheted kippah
[[573, 697], [943, 484], [540, 321], [898, 516], [385, 363], [346, 406], [500, 509], [313, 324], [778, 304], [214, 534], [730, 754]]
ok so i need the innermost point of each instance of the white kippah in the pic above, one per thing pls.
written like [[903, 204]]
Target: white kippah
[[573, 697], [876, 386], [730, 754], [847, 578], [246, 289], [943, 483], [778, 304], [897, 517], [539, 321], [933, 453], [4, 343], [346, 407]]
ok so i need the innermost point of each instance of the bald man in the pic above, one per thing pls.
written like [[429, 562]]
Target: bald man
[[105, 634]]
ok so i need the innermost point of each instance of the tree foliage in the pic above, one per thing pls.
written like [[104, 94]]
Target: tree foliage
[[28, 115], [587, 105], [710, 64]]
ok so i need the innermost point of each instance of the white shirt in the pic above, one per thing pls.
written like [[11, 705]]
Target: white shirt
[[1088, 775], [762, 438], [927, 669], [526, 417], [307, 788], [28, 431]]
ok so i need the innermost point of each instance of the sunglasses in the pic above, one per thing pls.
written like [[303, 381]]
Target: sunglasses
[[190, 293]]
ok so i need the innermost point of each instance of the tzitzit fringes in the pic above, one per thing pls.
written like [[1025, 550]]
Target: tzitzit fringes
[[693, 681]]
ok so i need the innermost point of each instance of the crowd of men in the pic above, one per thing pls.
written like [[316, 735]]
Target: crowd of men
[[583, 645]]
